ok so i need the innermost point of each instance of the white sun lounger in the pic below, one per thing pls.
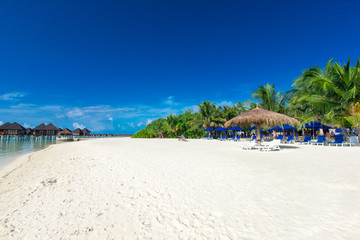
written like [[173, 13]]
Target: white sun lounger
[[249, 145], [352, 141], [273, 145]]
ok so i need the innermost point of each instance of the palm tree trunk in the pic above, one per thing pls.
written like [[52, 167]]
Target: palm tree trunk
[[346, 135], [258, 134]]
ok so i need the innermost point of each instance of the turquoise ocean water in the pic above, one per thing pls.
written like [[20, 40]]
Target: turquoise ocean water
[[11, 149]]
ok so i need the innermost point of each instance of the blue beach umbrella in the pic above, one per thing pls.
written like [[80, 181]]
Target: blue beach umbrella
[[316, 126], [277, 129], [236, 128], [208, 129], [221, 129], [338, 130], [289, 128], [253, 128]]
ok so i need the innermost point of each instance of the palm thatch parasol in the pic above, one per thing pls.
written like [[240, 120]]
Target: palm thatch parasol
[[260, 116]]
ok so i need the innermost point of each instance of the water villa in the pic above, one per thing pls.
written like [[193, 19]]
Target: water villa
[[12, 129], [66, 132], [46, 130]]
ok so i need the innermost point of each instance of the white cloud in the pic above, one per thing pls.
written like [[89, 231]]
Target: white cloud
[[1, 123], [170, 101], [75, 112], [12, 96], [27, 125], [149, 121], [23, 105], [77, 125], [111, 119], [131, 124], [140, 124]]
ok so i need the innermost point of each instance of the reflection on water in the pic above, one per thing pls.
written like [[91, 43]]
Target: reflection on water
[[12, 148]]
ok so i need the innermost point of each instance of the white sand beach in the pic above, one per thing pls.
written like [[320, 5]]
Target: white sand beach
[[166, 189]]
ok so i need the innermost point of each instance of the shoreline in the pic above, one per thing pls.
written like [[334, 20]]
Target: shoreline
[[164, 188]]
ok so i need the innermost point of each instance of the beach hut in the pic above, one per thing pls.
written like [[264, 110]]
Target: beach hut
[[40, 130], [46, 130], [86, 132], [51, 130], [4, 127], [12, 129], [77, 132], [29, 131], [259, 116], [65, 132]]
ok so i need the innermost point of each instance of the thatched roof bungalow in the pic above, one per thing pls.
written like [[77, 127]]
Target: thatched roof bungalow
[[77, 132], [47, 130], [29, 131], [12, 129], [86, 132], [65, 132]]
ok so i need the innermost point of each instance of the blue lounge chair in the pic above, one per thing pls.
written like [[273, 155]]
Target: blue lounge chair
[[320, 140], [253, 138], [280, 137], [238, 138], [289, 139], [339, 139], [307, 139]]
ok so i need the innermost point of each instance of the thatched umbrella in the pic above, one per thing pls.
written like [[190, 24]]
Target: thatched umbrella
[[260, 116]]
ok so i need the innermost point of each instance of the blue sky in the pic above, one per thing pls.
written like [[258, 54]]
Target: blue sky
[[113, 66]]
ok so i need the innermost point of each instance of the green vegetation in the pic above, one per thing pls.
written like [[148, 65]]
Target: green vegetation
[[330, 95]]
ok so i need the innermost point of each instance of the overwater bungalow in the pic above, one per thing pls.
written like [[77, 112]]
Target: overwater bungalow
[[46, 130], [12, 129], [77, 132], [51, 130], [29, 131], [86, 132], [65, 132]]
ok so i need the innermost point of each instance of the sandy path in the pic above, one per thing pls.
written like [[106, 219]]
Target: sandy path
[[166, 189]]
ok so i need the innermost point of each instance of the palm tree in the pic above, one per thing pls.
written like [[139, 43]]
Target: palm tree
[[354, 118], [173, 122], [270, 99], [328, 93], [209, 115]]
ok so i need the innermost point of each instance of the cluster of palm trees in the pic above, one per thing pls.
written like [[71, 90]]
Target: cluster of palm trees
[[330, 95]]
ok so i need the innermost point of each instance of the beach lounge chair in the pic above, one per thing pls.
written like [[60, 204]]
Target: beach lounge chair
[[250, 145], [289, 139], [339, 139], [280, 137], [253, 138], [222, 138], [238, 138], [307, 140], [182, 139], [320, 141], [352, 141], [273, 145]]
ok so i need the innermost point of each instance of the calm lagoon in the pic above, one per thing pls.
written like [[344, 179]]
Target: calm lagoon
[[10, 149]]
